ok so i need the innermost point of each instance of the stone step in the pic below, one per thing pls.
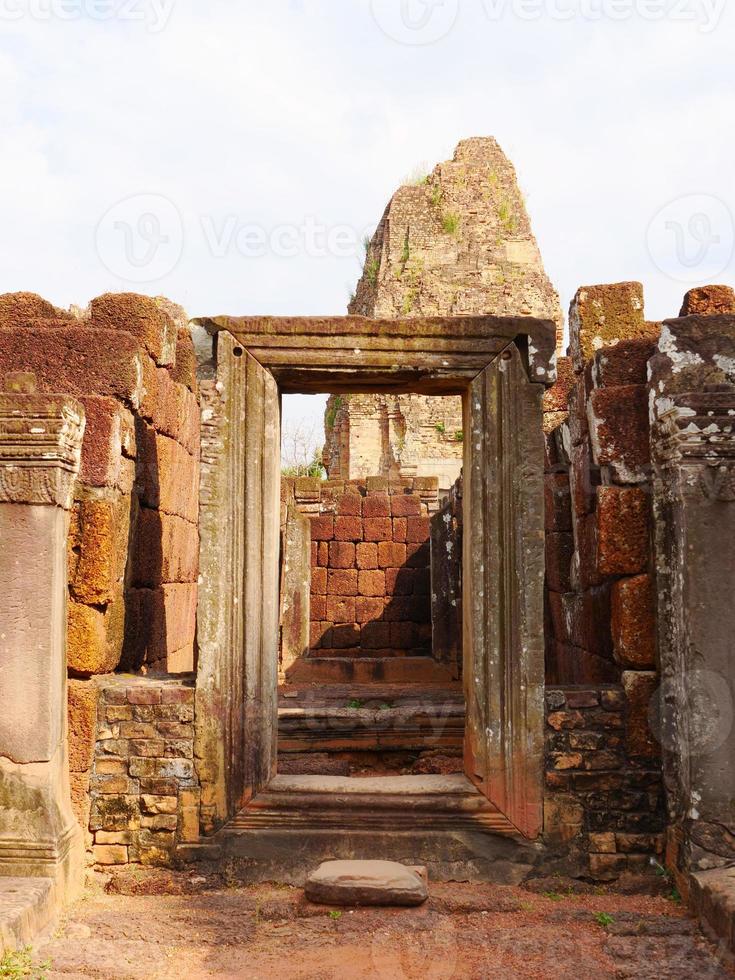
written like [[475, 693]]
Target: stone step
[[27, 907], [366, 670]]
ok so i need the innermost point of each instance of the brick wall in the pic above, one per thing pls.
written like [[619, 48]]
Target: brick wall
[[370, 567], [144, 791], [604, 803]]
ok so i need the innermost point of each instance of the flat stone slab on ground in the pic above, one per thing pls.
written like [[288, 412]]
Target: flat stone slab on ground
[[26, 907], [367, 883]]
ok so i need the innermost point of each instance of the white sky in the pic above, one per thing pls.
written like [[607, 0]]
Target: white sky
[[211, 119]]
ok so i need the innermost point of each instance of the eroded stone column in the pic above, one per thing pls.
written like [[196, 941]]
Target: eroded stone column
[[40, 443], [693, 431]]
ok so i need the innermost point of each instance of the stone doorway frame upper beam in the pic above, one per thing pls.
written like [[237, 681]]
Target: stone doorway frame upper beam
[[500, 366]]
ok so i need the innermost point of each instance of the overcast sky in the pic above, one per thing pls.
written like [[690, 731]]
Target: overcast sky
[[232, 154]]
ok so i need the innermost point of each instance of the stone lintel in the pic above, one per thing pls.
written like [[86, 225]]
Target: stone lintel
[[431, 355]]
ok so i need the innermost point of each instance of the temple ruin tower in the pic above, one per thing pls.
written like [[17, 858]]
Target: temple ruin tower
[[458, 241]]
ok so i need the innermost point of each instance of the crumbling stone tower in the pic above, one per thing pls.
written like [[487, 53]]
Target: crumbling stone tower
[[457, 242]]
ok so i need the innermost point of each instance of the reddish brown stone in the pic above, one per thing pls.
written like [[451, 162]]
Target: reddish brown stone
[[371, 583], [585, 566], [402, 635], [340, 609], [417, 555], [322, 528], [640, 688], [405, 505], [624, 364], [184, 371], [341, 554], [709, 301], [565, 720], [634, 622], [623, 543], [167, 549], [342, 582], [167, 474], [419, 529], [368, 609], [375, 635], [349, 505], [348, 529], [400, 581], [314, 554], [109, 434], [584, 477], [82, 724], [620, 432], [556, 398], [322, 553], [557, 502], [140, 316], [18, 309], [602, 316], [367, 555], [319, 581], [559, 552], [318, 606], [400, 529], [391, 554], [376, 505], [316, 632], [378, 529], [344, 636]]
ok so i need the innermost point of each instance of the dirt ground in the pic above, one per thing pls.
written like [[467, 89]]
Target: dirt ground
[[157, 926]]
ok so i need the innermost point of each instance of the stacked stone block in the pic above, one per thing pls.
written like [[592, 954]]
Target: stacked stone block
[[604, 804], [133, 540], [370, 565], [600, 598], [144, 791]]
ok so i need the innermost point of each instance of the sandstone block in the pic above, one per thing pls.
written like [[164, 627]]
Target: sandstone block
[[322, 528], [557, 502], [340, 609], [344, 635], [109, 854], [184, 370], [342, 582], [634, 622], [371, 583], [161, 622], [405, 505], [76, 359], [341, 554], [584, 477], [400, 529], [318, 581], [171, 408], [140, 316], [622, 531], [391, 554], [159, 804], [168, 475], [418, 530], [349, 505], [368, 608], [109, 436], [563, 818], [375, 636], [318, 607], [602, 316], [417, 555], [377, 529], [18, 309], [709, 301], [559, 552], [640, 689], [618, 419], [376, 505], [556, 398], [400, 581], [367, 883], [98, 548], [403, 635], [624, 364], [82, 724], [348, 529], [367, 555], [95, 637], [377, 484]]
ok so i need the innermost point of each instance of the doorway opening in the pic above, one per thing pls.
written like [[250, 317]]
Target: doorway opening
[[370, 652]]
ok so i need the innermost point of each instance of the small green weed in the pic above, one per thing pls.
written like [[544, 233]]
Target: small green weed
[[355, 703], [604, 919], [19, 964], [459, 436], [440, 428], [437, 195], [450, 223], [335, 915], [554, 896], [372, 267]]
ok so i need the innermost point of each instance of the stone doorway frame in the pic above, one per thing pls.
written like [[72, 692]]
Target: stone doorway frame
[[500, 366]]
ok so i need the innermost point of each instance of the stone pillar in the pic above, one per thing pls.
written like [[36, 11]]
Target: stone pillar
[[693, 439], [40, 444], [295, 590]]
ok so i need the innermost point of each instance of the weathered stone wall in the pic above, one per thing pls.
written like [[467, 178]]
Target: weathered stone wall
[[604, 811], [457, 242], [133, 540], [600, 585], [144, 792], [370, 565]]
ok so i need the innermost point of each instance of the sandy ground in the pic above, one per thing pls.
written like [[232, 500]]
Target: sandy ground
[[187, 926]]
